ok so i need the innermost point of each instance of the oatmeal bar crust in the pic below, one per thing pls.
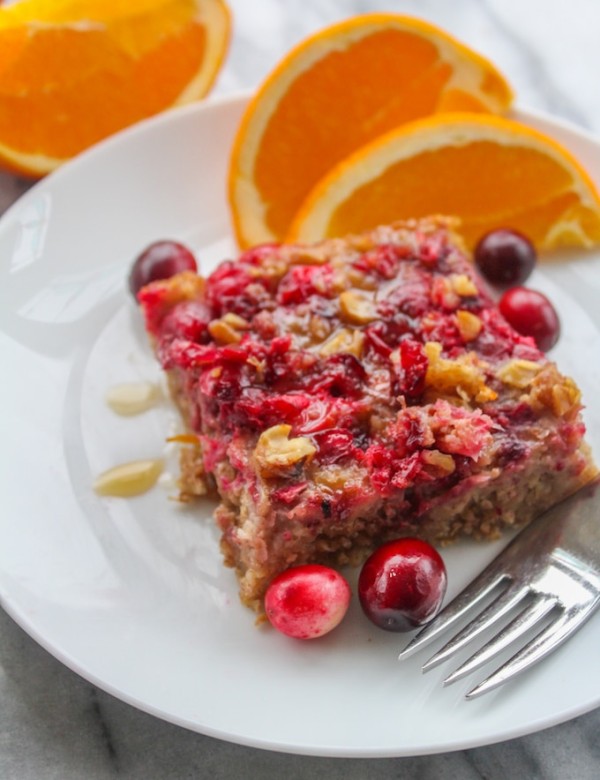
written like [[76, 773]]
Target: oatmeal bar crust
[[357, 390]]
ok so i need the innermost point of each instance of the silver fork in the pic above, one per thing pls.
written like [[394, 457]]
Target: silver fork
[[550, 571]]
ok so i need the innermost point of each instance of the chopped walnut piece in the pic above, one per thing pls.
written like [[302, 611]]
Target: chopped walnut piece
[[223, 333], [319, 327], [360, 280], [469, 325], [344, 340], [356, 308], [275, 453], [463, 285], [273, 268], [464, 375], [237, 322], [442, 462], [258, 365], [226, 330], [309, 255], [555, 392], [335, 477], [518, 373], [362, 242]]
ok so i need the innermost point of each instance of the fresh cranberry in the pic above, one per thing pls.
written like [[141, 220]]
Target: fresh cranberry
[[531, 314], [307, 601], [505, 257], [402, 584], [160, 260]]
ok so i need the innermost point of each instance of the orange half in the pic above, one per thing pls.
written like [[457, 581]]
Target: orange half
[[75, 71], [489, 171], [335, 92]]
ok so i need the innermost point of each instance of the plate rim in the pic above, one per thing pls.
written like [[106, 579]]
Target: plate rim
[[10, 604]]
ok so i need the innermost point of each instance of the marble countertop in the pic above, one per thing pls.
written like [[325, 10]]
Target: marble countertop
[[53, 724]]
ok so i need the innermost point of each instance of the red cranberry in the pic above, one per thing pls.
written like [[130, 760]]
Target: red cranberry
[[410, 371], [307, 601], [402, 584], [505, 257], [531, 314], [160, 260]]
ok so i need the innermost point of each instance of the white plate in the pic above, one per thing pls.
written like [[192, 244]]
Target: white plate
[[131, 594]]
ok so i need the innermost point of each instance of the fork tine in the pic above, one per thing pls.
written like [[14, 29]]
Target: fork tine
[[481, 587], [505, 602], [525, 620], [543, 644]]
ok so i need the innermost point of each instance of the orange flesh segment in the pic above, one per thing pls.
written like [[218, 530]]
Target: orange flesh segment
[[61, 121], [75, 71], [369, 108], [427, 183]]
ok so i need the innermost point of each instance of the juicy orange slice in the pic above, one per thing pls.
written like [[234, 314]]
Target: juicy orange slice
[[489, 171], [75, 71], [333, 93]]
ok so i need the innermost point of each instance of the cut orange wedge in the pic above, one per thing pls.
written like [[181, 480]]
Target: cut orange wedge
[[75, 71], [335, 92], [489, 171]]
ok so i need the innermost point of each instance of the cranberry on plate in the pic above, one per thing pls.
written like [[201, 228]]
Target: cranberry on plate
[[505, 257], [307, 601], [531, 314], [402, 584], [160, 260]]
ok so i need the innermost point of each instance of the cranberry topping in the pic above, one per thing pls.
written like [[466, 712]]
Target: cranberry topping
[[385, 335], [258, 409], [302, 281], [334, 444], [410, 369], [384, 260], [342, 377], [189, 320], [231, 288]]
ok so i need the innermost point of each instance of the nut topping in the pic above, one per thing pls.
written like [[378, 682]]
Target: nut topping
[[344, 340], [223, 333], [463, 285], [463, 376], [469, 325], [356, 308], [518, 373], [275, 453]]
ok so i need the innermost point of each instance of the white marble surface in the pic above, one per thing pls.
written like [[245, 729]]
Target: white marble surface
[[53, 724]]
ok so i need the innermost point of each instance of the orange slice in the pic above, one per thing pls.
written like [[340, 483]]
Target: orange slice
[[74, 71], [335, 92], [489, 171]]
